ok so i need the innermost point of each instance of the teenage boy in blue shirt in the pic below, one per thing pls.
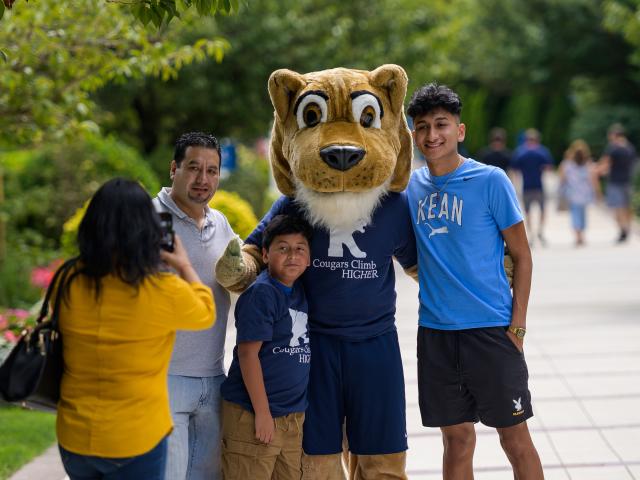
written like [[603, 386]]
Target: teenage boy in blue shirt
[[265, 392], [470, 361]]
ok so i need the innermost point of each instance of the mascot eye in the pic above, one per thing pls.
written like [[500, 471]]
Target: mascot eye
[[312, 115], [368, 116], [366, 111], [312, 110]]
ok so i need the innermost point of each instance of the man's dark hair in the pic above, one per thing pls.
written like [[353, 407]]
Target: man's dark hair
[[195, 139], [431, 97], [285, 225]]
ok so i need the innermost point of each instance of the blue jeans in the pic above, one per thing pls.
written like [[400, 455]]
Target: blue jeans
[[578, 216], [195, 443], [150, 465]]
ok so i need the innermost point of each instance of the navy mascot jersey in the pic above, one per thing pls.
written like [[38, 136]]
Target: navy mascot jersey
[[350, 284]]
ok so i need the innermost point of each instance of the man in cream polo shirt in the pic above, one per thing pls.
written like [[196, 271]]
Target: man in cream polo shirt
[[197, 371]]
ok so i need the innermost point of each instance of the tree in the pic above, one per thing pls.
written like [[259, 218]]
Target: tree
[[57, 54], [231, 99], [161, 12]]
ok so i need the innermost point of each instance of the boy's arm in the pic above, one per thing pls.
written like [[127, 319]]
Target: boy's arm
[[516, 240], [254, 383]]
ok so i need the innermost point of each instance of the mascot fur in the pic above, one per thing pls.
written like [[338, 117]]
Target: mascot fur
[[340, 154]]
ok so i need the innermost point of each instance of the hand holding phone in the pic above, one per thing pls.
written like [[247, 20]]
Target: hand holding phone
[[168, 235]]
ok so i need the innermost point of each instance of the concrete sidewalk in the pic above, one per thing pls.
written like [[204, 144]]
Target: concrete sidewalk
[[583, 352]]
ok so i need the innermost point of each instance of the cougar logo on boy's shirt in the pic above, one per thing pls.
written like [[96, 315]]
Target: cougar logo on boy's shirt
[[298, 328]]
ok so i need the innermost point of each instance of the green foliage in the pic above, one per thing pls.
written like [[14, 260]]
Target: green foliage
[[520, 113], [250, 179], [161, 12], [24, 435], [592, 123], [16, 289], [555, 125], [53, 181], [475, 117], [231, 98], [238, 212], [74, 48]]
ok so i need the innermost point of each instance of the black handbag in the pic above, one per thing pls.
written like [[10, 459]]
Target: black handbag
[[31, 374]]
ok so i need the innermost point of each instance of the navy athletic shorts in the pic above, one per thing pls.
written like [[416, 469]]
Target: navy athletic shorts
[[363, 382], [471, 375]]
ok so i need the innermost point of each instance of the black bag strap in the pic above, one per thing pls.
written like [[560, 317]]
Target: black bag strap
[[59, 279]]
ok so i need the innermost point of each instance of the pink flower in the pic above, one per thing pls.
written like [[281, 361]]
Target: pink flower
[[10, 336], [4, 323], [41, 276], [18, 313]]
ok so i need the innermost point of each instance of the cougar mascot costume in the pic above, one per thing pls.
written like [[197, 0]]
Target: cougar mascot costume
[[341, 156]]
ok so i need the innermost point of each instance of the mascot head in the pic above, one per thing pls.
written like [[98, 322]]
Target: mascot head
[[340, 140]]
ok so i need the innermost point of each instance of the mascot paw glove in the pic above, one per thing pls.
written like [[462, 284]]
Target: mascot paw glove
[[231, 268]]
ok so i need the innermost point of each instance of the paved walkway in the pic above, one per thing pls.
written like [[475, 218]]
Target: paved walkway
[[583, 352]]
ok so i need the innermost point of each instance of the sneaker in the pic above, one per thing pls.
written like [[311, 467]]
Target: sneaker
[[543, 241], [623, 236]]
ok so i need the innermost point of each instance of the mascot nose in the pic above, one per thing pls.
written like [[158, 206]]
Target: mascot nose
[[341, 157]]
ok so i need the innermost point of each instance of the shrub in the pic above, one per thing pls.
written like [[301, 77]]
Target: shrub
[[43, 186], [237, 210], [250, 179]]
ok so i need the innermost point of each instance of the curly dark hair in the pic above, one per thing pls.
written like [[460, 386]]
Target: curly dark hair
[[120, 234], [431, 97], [195, 139]]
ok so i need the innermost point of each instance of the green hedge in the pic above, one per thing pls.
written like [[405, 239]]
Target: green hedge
[[237, 210]]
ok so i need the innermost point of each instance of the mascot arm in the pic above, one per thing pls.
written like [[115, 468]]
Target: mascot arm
[[508, 267], [238, 266]]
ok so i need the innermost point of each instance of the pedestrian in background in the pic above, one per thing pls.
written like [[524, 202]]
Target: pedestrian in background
[[496, 153], [617, 163], [579, 184]]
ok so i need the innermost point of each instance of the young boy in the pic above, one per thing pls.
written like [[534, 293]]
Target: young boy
[[265, 393], [470, 361]]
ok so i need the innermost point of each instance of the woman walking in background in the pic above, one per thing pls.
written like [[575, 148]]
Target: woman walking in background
[[118, 322], [579, 183]]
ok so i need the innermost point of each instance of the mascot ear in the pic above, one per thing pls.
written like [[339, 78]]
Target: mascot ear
[[283, 87], [393, 79], [279, 165]]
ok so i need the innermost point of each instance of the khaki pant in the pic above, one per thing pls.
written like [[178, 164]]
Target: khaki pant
[[246, 458]]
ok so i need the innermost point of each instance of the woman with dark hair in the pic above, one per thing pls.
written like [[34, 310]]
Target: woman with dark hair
[[118, 322]]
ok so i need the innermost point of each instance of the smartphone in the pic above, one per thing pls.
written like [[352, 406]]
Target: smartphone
[[168, 235]]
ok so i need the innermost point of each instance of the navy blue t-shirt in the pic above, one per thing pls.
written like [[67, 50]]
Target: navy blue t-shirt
[[275, 314], [622, 158], [531, 162], [350, 284]]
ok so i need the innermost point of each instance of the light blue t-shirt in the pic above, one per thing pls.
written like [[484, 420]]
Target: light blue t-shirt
[[457, 219]]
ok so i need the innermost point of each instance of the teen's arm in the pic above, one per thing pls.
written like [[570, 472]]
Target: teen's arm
[[516, 240], [254, 382]]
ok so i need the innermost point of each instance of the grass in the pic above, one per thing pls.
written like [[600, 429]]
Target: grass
[[24, 434]]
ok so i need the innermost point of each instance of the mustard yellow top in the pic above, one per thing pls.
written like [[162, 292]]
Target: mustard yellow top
[[114, 400]]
